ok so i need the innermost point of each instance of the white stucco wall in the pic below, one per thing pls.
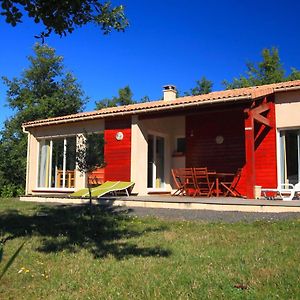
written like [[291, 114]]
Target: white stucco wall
[[32, 164], [61, 130], [68, 129], [169, 128], [139, 152], [287, 109]]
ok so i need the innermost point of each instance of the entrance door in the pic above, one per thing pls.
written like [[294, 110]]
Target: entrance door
[[156, 162], [289, 156]]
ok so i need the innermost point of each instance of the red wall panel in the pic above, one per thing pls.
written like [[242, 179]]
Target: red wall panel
[[203, 151], [117, 154], [265, 152]]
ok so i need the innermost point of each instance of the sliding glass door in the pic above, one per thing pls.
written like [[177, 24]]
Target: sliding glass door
[[57, 159], [156, 161], [289, 156]]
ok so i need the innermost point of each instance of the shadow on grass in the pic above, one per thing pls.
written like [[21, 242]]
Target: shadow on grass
[[70, 228]]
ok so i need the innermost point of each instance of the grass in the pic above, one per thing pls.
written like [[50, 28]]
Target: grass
[[116, 256]]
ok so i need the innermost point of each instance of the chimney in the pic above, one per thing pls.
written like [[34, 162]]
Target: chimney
[[169, 92]]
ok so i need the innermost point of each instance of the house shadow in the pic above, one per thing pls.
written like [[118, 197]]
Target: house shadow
[[110, 230]]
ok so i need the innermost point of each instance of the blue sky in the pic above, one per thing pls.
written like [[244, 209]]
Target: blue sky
[[168, 42]]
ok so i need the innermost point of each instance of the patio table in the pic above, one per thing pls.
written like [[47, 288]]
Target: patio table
[[218, 179]]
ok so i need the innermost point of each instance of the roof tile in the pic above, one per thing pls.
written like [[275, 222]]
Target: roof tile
[[226, 95]]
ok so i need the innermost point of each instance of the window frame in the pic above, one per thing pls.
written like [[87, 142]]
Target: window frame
[[51, 139]]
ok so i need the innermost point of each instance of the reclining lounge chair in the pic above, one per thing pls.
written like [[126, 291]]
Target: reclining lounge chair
[[113, 187], [286, 192]]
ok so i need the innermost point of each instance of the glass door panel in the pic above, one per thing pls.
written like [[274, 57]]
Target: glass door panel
[[292, 157], [57, 163], [160, 162], [289, 156], [156, 161], [44, 165], [151, 165], [70, 162]]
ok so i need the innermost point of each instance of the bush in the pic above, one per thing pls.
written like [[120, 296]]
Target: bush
[[10, 190]]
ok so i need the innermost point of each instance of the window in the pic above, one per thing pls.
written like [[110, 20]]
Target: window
[[180, 145], [57, 160], [95, 145]]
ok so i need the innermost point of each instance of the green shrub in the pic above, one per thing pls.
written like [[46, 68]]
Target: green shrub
[[10, 190]]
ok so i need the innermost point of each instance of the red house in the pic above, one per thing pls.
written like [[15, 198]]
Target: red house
[[256, 129]]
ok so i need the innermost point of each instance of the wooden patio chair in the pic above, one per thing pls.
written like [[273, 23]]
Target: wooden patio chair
[[189, 184], [185, 181], [230, 185], [204, 186], [179, 182]]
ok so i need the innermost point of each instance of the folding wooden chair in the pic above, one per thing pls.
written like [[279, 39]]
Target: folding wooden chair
[[184, 181], [230, 185], [189, 184], [179, 183], [204, 186]]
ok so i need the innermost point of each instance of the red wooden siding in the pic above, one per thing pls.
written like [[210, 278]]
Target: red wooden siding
[[249, 168], [202, 149], [265, 152], [117, 154]]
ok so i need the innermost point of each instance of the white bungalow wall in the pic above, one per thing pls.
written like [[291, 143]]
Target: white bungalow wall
[[62, 130], [170, 128], [287, 107]]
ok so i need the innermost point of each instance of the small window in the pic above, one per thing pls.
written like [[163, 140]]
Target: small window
[[180, 145]]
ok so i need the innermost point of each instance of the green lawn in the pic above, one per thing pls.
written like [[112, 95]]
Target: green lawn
[[115, 256]]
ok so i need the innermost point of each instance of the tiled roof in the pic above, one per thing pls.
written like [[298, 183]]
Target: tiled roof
[[249, 93]]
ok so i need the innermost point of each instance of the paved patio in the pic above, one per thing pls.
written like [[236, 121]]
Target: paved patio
[[189, 203]]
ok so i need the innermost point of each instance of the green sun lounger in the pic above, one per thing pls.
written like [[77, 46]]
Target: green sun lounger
[[105, 188]]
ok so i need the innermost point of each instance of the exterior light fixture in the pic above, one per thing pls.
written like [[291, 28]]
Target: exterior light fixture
[[119, 136], [219, 139]]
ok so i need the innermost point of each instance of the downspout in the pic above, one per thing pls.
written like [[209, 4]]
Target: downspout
[[27, 163]]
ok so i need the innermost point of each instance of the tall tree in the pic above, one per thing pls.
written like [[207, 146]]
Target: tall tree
[[63, 16], [90, 156], [43, 90], [269, 70], [124, 98], [203, 86]]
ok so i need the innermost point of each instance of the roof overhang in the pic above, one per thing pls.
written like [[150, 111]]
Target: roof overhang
[[101, 114], [214, 98]]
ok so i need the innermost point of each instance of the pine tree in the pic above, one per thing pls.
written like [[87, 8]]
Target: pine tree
[[43, 90], [203, 86], [124, 98], [269, 70]]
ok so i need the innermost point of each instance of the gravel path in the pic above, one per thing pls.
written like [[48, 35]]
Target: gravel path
[[209, 215]]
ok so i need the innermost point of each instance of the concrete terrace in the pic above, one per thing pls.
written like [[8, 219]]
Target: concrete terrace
[[170, 202]]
